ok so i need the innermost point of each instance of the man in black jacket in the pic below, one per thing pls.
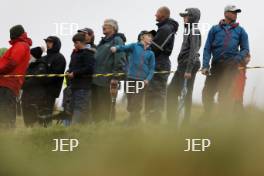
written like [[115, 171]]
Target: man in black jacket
[[56, 65], [162, 46], [80, 74]]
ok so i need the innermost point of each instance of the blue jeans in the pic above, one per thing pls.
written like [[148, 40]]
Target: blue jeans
[[81, 99]]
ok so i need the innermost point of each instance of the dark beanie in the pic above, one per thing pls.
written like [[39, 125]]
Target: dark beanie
[[36, 52], [16, 31]]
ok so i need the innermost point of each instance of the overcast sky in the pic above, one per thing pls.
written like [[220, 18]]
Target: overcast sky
[[41, 19]]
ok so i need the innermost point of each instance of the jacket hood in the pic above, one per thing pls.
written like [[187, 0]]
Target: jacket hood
[[174, 24], [121, 35], [22, 38], [105, 40], [194, 15], [56, 45]]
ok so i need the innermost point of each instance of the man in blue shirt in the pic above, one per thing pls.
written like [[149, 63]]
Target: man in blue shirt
[[227, 45]]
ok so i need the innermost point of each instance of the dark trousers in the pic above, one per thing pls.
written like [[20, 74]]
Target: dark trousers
[[174, 92], [101, 103], [220, 81], [47, 110], [156, 97], [30, 114], [81, 105], [32, 106], [7, 107], [33, 110], [134, 101]]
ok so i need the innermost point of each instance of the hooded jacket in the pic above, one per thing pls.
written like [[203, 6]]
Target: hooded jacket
[[56, 64], [15, 62], [188, 57], [141, 61], [225, 41], [108, 62], [165, 28]]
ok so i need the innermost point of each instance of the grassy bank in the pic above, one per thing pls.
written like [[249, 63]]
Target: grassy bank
[[237, 149]]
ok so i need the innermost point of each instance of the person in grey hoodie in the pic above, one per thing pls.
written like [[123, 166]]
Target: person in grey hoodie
[[188, 65]]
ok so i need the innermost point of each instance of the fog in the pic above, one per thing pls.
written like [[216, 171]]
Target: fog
[[42, 18]]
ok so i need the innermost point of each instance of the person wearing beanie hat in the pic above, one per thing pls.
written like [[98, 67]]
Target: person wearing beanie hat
[[34, 88], [13, 62], [16, 31], [107, 62], [36, 52]]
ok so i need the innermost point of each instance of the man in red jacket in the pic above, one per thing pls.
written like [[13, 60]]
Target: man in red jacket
[[13, 62]]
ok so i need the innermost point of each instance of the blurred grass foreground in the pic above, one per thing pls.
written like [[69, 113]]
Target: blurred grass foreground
[[114, 149]]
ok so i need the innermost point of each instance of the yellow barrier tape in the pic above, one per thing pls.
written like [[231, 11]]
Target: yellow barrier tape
[[102, 75], [246, 68]]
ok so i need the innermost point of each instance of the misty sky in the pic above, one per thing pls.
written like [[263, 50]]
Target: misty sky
[[40, 18]]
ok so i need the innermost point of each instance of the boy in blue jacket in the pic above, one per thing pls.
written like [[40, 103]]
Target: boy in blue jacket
[[141, 68]]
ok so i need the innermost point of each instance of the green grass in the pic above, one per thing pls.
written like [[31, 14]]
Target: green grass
[[114, 149]]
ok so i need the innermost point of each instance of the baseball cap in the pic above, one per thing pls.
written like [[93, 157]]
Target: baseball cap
[[152, 32], [185, 13], [86, 30], [232, 8], [49, 39]]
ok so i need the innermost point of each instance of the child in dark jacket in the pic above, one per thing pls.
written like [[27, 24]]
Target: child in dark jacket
[[141, 68], [34, 88], [80, 75]]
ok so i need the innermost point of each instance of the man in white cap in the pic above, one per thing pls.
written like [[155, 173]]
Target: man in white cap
[[228, 45]]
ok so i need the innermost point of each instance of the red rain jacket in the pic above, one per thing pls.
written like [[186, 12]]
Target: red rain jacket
[[15, 62]]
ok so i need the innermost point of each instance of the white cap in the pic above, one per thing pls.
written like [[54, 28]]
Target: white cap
[[232, 8]]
